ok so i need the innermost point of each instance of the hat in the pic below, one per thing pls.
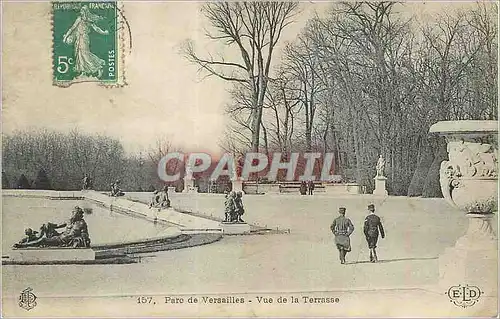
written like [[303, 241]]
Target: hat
[[342, 210], [371, 206]]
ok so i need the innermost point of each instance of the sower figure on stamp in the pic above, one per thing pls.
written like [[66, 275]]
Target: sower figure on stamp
[[86, 62], [371, 229], [342, 228]]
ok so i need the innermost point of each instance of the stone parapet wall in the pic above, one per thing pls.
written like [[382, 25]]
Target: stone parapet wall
[[343, 189], [34, 193], [185, 222]]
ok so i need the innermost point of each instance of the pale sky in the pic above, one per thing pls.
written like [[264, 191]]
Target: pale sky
[[164, 96]]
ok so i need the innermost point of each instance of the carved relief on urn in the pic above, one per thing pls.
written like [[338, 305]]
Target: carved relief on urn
[[469, 178]]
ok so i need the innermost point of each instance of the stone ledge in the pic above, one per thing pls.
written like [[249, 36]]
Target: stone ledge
[[235, 228], [52, 254]]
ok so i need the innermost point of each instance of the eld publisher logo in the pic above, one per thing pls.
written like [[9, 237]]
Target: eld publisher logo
[[27, 299], [464, 296]]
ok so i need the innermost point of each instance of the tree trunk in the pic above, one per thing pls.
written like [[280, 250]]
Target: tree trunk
[[432, 188], [425, 159]]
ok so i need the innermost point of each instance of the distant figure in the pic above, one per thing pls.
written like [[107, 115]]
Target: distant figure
[[303, 188], [115, 190], [371, 229], [310, 187], [239, 210], [380, 166], [342, 228], [229, 206], [86, 182], [154, 199], [164, 201], [160, 199]]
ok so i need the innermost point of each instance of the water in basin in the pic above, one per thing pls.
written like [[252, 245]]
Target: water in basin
[[105, 227]]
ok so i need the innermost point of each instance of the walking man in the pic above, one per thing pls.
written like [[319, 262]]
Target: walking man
[[342, 228], [310, 187], [371, 229]]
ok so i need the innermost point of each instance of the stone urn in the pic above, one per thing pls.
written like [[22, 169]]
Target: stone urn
[[469, 178], [469, 182]]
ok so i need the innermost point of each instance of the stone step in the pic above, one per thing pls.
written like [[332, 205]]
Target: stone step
[[51, 254]]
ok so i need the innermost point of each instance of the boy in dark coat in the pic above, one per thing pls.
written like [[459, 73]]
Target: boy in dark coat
[[371, 229]]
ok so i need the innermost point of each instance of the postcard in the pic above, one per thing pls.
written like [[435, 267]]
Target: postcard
[[249, 159]]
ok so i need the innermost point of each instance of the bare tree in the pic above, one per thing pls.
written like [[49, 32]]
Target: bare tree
[[301, 62], [254, 28], [282, 103], [64, 157]]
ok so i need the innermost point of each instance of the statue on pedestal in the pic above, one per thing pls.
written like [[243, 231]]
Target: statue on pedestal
[[87, 182], [380, 179], [380, 166], [115, 190], [160, 199], [75, 235], [234, 207]]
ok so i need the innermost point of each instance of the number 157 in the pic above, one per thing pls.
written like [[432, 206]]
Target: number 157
[[143, 300]]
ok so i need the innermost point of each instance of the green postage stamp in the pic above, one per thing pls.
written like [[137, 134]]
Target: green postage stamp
[[86, 43]]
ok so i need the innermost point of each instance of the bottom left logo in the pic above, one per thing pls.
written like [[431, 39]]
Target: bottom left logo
[[27, 299]]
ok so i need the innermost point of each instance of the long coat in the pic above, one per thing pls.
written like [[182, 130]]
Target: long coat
[[342, 228]]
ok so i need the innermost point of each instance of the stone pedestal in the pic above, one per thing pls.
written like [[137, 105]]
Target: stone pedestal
[[237, 186], [380, 186], [54, 254], [235, 228], [170, 189], [469, 182], [473, 260], [189, 186]]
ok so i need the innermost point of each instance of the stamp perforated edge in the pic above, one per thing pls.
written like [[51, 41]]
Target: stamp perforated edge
[[122, 52]]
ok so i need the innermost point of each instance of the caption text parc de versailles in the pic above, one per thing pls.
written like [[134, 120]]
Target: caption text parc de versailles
[[242, 300], [253, 163]]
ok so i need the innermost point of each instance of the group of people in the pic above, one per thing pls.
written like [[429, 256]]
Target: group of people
[[306, 187], [75, 235], [160, 199], [234, 207], [342, 228], [115, 190]]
